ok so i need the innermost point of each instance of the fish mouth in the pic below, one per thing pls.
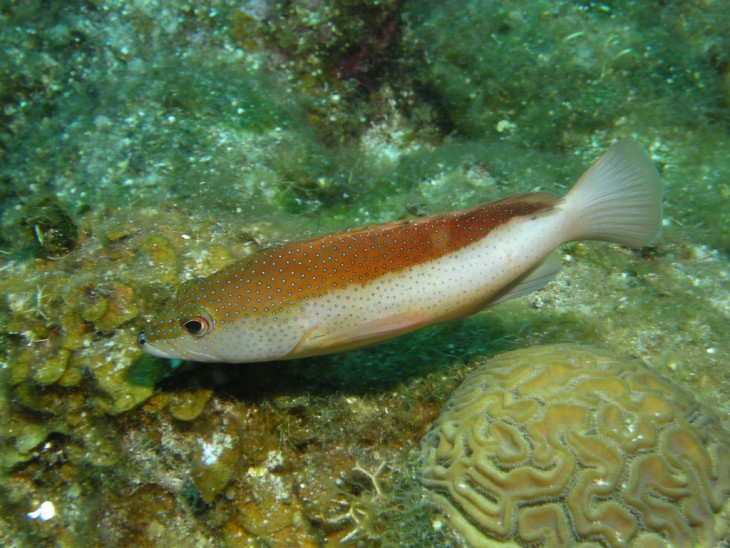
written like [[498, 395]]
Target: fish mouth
[[157, 352], [174, 353], [149, 349]]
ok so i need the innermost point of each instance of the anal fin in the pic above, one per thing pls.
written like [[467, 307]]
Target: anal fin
[[535, 278]]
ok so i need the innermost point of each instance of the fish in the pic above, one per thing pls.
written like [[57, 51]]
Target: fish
[[350, 289]]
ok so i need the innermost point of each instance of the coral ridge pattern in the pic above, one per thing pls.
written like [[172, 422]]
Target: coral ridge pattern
[[562, 444]]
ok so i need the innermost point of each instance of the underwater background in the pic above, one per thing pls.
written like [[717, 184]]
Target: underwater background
[[144, 143]]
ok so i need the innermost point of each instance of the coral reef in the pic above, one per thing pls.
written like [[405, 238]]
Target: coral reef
[[146, 143], [564, 444]]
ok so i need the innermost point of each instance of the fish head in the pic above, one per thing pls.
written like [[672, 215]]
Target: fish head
[[213, 320], [183, 337], [185, 329]]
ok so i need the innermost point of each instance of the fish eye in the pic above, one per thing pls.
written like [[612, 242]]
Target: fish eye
[[197, 326]]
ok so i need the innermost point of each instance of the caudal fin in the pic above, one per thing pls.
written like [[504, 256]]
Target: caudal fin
[[617, 199]]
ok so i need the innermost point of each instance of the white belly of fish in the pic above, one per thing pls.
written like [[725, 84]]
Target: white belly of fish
[[452, 286]]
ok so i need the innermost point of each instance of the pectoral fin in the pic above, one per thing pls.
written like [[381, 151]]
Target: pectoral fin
[[354, 336]]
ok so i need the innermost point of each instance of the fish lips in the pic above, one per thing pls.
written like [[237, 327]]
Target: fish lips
[[174, 353]]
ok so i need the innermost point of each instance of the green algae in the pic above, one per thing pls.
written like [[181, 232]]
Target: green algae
[[655, 70], [146, 372], [488, 65], [337, 54], [187, 405], [181, 138], [52, 228]]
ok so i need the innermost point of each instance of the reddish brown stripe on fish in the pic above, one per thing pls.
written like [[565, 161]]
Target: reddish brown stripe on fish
[[304, 269]]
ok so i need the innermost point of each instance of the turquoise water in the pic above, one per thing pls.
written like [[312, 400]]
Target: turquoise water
[[146, 143]]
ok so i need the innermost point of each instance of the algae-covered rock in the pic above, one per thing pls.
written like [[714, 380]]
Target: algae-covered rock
[[121, 230], [75, 332], [74, 372], [214, 460], [124, 397], [52, 228], [30, 436], [105, 305], [493, 71], [157, 259], [338, 51], [187, 405], [11, 457], [122, 306], [114, 376], [283, 523], [90, 303], [213, 258], [19, 366], [25, 434], [51, 368], [542, 73]]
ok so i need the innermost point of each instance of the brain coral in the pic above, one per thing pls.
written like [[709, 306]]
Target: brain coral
[[563, 444]]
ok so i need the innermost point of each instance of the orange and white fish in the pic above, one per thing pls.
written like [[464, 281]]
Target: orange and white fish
[[357, 287]]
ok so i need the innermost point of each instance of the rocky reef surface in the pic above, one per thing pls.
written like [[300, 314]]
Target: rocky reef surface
[[146, 143]]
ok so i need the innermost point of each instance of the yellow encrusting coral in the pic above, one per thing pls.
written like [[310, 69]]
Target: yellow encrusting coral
[[563, 444]]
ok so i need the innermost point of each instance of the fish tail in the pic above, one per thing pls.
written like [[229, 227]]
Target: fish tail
[[617, 199]]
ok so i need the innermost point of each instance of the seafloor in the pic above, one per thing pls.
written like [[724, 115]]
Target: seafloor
[[143, 143]]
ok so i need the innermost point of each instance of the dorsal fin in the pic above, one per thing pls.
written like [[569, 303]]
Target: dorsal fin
[[530, 203]]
